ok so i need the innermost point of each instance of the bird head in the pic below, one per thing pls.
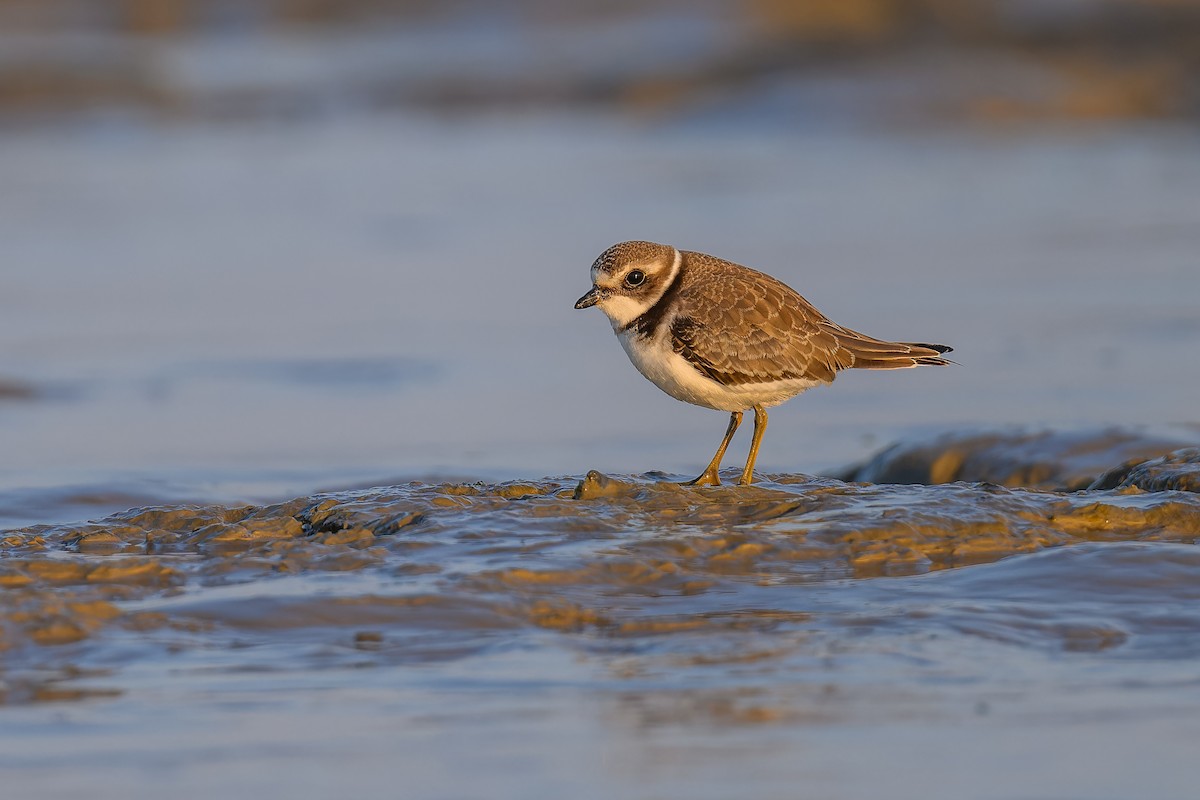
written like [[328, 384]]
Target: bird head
[[629, 278]]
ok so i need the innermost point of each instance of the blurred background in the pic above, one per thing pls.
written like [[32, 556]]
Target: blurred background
[[257, 248]]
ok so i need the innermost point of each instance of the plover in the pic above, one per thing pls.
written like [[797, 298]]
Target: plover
[[716, 334]]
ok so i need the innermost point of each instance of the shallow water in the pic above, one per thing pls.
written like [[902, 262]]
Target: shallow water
[[607, 634]]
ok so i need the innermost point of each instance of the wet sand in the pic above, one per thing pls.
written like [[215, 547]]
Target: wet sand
[[804, 628]]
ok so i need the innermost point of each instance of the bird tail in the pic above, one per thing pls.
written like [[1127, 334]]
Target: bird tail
[[871, 353]]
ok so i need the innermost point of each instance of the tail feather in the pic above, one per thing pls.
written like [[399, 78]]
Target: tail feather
[[940, 348], [872, 353]]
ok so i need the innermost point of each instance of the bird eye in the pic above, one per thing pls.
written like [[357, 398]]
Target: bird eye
[[635, 278]]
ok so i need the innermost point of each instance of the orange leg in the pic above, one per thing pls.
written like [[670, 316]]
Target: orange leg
[[760, 427], [709, 476]]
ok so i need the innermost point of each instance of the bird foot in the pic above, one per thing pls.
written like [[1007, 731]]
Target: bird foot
[[709, 478]]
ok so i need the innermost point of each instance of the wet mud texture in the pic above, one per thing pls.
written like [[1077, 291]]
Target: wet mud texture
[[420, 573], [1054, 460]]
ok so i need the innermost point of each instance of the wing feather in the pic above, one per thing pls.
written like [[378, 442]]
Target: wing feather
[[738, 326]]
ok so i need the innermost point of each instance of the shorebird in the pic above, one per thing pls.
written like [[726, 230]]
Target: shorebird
[[716, 334]]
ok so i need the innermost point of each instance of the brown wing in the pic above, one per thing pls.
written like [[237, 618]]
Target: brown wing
[[739, 326]]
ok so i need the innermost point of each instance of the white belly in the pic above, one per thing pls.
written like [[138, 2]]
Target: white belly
[[672, 373]]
